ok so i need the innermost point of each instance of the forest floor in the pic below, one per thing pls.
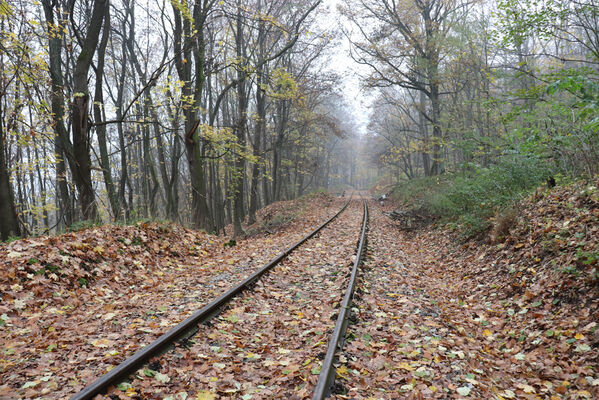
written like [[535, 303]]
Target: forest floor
[[73, 306], [435, 317], [515, 319]]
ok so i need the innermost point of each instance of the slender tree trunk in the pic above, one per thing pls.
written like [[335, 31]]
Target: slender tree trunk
[[151, 176], [113, 197], [240, 126], [260, 124], [34, 222], [61, 140], [187, 46], [426, 162], [266, 190], [82, 167], [9, 224], [260, 127], [282, 113], [437, 164]]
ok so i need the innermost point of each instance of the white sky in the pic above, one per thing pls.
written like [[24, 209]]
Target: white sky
[[357, 98]]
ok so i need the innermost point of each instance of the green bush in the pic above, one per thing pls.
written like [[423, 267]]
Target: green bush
[[471, 198], [81, 225]]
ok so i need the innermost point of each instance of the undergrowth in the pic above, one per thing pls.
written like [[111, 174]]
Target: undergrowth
[[468, 200]]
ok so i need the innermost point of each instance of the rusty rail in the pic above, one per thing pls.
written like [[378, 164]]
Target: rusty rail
[[208, 311], [328, 370]]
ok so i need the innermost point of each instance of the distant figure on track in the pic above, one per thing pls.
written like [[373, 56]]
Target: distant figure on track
[[343, 194]]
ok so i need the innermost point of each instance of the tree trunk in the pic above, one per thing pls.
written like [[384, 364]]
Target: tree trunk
[[61, 139], [193, 45], [113, 198], [437, 164], [82, 167], [240, 130], [260, 127], [9, 224]]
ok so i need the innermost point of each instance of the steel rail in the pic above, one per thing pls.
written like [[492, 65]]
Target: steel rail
[[141, 356], [328, 371]]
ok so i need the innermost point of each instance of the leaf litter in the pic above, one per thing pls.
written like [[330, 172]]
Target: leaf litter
[[269, 342], [73, 306], [511, 320]]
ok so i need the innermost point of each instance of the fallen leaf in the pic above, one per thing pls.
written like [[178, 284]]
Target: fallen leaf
[[463, 391]]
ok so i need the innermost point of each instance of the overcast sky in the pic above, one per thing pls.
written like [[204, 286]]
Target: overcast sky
[[358, 99]]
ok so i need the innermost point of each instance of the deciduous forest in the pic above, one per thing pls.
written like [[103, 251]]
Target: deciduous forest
[[197, 113], [266, 199]]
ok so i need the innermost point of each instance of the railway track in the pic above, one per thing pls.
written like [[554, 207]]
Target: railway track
[[267, 296]]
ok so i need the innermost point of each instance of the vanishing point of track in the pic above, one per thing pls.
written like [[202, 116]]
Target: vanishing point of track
[[188, 326]]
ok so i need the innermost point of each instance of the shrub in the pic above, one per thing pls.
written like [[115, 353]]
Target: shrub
[[81, 225], [471, 198]]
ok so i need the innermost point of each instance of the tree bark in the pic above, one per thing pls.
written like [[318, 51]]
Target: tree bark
[[258, 131], [113, 197], [188, 46], [239, 128], [9, 224], [82, 167], [61, 140]]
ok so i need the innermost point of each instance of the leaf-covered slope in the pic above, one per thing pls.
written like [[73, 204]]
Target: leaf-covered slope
[[518, 319], [36, 271], [74, 305], [276, 215], [535, 296], [549, 261]]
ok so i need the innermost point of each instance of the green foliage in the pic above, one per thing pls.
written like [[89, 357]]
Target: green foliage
[[571, 270], [81, 225], [580, 84], [47, 269], [283, 85], [469, 199], [521, 18], [557, 117], [12, 239], [561, 125], [587, 257]]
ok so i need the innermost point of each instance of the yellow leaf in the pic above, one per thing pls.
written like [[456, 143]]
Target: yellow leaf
[[406, 366], [101, 343], [205, 395], [342, 371], [579, 336], [487, 333], [5, 8], [99, 250], [526, 388]]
